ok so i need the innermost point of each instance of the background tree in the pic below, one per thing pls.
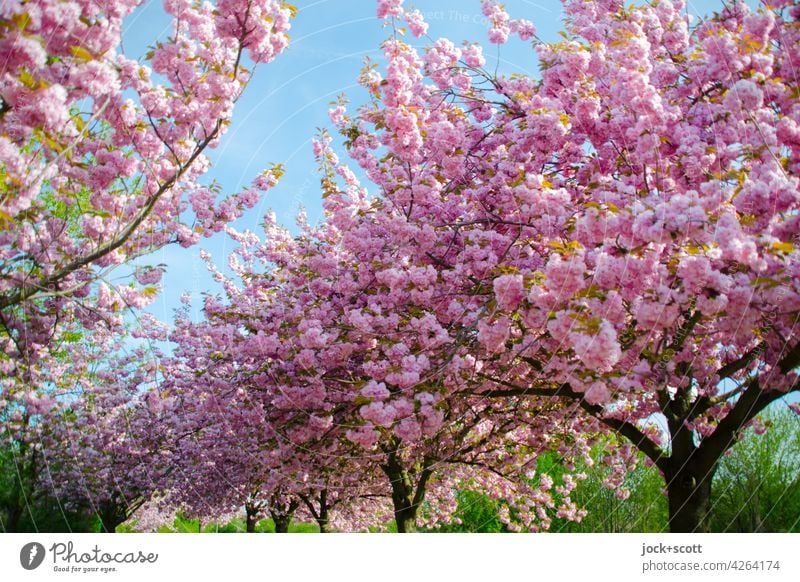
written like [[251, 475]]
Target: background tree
[[244, 443], [100, 160], [757, 485], [338, 337], [107, 447]]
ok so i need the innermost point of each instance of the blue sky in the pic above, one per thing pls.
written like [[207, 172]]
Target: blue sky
[[288, 100]]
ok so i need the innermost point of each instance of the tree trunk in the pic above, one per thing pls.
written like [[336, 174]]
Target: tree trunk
[[20, 499], [282, 510], [112, 515], [320, 515], [250, 526], [689, 469], [689, 499], [107, 520], [405, 512], [14, 515], [322, 520], [282, 523], [406, 519], [406, 497]]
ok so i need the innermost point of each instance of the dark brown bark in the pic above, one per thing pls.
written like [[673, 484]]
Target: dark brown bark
[[406, 520], [14, 515], [320, 512], [322, 518], [282, 523], [250, 525], [407, 496], [252, 511], [405, 514], [281, 511], [111, 516], [689, 498]]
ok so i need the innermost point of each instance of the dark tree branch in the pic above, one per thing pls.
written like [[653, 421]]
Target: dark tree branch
[[309, 505], [625, 428], [27, 291], [741, 363], [515, 390], [630, 431], [685, 330], [752, 401], [422, 482], [791, 360]]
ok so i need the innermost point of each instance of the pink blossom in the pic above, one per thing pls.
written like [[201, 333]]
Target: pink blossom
[[375, 390], [46, 108], [695, 272], [744, 95], [523, 28], [363, 436], [408, 429], [378, 413], [473, 55], [509, 291], [314, 337], [387, 8], [600, 351], [432, 419], [416, 23], [499, 19], [597, 393], [493, 335], [565, 276], [148, 276]]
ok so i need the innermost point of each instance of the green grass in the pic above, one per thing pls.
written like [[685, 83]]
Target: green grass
[[186, 525]]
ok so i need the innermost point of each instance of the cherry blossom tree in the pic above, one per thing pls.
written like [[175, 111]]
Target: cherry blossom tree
[[627, 224], [341, 335], [94, 441], [109, 450], [241, 450], [101, 155]]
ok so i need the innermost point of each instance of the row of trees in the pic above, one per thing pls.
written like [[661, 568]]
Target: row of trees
[[609, 249], [756, 489], [101, 160]]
